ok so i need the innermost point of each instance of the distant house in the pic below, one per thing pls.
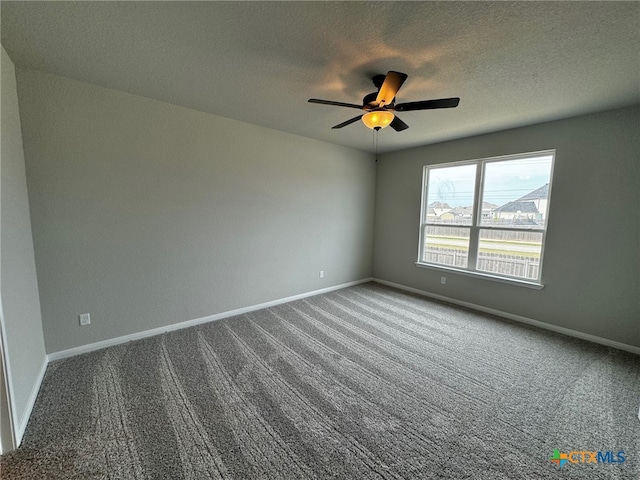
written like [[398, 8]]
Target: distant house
[[487, 209], [462, 211], [443, 213], [462, 214], [526, 210], [447, 217], [439, 208], [539, 197], [435, 210], [517, 212]]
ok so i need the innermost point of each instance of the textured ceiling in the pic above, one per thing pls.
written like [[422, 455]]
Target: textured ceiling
[[511, 64]]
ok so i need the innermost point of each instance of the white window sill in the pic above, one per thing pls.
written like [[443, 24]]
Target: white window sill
[[487, 276]]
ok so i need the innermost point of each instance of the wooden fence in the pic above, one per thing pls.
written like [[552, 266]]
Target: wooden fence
[[501, 264]]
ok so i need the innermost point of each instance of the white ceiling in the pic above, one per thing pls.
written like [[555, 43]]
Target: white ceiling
[[512, 64]]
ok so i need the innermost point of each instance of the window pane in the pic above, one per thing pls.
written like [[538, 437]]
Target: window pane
[[450, 195], [515, 193], [446, 246], [510, 253]]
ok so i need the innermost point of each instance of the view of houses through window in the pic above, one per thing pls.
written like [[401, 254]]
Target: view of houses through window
[[487, 215]]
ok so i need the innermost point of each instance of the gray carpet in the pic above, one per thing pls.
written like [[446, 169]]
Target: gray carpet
[[366, 382]]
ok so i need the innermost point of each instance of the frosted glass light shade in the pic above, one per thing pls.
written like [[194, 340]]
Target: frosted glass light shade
[[378, 119]]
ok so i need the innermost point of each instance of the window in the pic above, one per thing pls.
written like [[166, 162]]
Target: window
[[487, 217]]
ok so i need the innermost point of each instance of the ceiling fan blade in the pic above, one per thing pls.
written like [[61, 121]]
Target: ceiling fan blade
[[392, 83], [337, 104], [398, 125], [427, 104], [348, 122]]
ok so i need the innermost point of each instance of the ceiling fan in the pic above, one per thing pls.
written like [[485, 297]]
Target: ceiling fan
[[380, 105]]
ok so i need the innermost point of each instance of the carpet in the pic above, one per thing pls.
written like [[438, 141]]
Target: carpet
[[366, 382]]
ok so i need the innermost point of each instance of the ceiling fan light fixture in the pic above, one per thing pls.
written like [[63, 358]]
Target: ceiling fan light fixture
[[380, 104], [378, 119]]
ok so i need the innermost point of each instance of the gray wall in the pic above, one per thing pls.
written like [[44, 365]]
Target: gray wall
[[19, 290], [592, 256], [146, 214]]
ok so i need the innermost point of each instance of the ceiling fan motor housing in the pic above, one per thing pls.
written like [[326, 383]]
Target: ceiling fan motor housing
[[370, 100], [378, 80]]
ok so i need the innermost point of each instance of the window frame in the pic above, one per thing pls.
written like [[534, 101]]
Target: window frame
[[476, 224]]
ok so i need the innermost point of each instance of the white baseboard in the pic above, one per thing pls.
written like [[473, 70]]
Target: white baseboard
[[190, 323], [518, 318], [31, 401]]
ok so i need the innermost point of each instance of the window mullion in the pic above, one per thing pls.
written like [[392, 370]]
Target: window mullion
[[473, 248], [477, 214]]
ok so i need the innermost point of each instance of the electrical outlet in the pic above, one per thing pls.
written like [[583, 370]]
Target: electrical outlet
[[85, 319], [443, 280], [321, 273]]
